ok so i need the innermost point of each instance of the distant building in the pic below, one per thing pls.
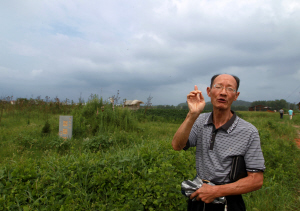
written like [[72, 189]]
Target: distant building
[[260, 108], [133, 104]]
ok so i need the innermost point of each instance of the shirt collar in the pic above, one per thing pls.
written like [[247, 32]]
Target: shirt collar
[[227, 125]]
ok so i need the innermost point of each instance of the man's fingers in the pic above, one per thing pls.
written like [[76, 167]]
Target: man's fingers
[[194, 93], [193, 195], [196, 87], [201, 96]]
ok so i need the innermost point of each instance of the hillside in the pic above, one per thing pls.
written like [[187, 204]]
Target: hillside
[[241, 103]]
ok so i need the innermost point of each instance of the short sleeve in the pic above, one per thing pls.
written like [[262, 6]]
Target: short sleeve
[[193, 137], [254, 158]]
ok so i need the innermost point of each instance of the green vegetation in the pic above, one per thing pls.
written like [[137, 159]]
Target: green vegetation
[[281, 179], [162, 115], [123, 160]]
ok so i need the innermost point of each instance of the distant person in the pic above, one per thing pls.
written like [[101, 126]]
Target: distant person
[[281, 113], [291, 112], [219, 136]]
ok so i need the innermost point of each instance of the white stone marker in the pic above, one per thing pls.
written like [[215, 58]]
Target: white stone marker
[[65, 126]]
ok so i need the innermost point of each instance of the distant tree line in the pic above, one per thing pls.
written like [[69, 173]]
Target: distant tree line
[[209, 107], [276, 104], [171, 107], [240, 105]]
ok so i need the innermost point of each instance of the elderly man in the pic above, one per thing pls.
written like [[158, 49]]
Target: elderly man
[[219, 137]]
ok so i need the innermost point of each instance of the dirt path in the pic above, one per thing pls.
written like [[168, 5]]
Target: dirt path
[[298, 139]]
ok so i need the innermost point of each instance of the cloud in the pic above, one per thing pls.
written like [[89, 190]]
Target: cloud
[[35, 73], [141, 47], [23, 49]]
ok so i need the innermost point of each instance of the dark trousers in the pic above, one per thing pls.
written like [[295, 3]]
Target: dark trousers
[[234, 203], [281, 115]]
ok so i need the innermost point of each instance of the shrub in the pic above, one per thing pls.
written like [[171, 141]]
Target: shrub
[[25, 141], [46, 129], [96, 143], [51, 142], [59, 144]]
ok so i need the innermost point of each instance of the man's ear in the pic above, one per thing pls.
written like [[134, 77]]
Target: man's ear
[[208, 91], [236, 96]]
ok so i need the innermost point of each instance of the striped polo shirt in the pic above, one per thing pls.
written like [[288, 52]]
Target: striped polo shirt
[[215, 148]]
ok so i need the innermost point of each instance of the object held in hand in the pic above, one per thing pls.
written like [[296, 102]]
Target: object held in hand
[[188, 187]]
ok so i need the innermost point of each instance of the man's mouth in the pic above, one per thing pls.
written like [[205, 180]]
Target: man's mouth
[[221, 100]]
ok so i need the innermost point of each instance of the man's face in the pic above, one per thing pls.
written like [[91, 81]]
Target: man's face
[[222, 99]]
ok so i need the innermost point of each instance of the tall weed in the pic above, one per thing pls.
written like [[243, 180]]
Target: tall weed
[[97, 117]]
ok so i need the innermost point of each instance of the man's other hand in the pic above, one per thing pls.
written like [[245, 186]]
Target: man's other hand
[[207, 193]]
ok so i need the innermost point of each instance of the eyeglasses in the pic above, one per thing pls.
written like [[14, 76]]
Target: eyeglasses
[[221, 87]]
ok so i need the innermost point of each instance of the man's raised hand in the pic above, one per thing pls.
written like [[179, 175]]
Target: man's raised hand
[[195, 102]]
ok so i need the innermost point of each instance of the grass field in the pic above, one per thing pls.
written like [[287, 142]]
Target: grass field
[[109, 166]]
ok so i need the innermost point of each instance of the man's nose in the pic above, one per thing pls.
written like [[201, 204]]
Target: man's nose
[[223, 91]]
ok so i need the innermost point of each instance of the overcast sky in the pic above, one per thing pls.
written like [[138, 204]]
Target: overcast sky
[[161, 48]]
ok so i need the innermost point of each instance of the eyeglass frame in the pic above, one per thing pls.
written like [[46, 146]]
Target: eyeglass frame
[[226, 88]]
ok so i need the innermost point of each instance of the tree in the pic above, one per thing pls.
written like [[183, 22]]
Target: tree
[[67, 101], [115, 99], [80, 100], [124, 101], [148, 103], [47, 99]]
